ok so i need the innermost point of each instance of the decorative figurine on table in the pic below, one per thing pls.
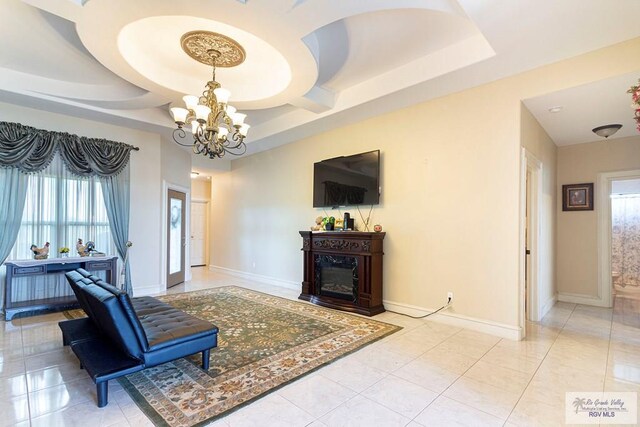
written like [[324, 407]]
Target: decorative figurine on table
[[64, 252], [377, 228], [81, 248], [91, 250], [329, 223], [40, 253], [318, 225]]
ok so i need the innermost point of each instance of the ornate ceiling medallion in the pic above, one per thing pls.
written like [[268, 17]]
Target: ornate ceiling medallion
[[198, 44]]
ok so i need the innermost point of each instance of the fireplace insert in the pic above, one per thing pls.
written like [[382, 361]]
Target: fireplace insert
[[337, 276]]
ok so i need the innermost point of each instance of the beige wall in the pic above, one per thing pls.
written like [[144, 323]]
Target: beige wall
[[577, 231], [200, 189], [146, 187], [540, 145], [450, 193]]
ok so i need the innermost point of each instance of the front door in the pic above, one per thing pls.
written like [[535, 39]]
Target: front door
[[198, 233], [176, 240]]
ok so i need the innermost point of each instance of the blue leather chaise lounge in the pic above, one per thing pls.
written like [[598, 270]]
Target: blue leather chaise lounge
[[121, 335]]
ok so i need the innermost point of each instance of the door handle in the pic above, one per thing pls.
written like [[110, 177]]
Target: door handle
[[527, 252]]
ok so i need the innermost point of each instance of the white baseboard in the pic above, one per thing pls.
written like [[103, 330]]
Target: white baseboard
[[581, 299], [547, 306], [297, 286], [139, 291], [479, 325]]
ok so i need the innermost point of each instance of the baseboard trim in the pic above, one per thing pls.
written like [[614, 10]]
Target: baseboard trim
[[257, 277], [139, 291], [547, 306], [459, 320], [581, 299]]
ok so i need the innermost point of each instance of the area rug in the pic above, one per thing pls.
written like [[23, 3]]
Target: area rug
[[264, 343]]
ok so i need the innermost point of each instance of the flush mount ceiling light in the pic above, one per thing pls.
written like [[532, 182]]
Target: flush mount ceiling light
[[607, 130], [216, 127]]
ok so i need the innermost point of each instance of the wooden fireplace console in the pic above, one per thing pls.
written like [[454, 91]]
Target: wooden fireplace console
[[359, 253]]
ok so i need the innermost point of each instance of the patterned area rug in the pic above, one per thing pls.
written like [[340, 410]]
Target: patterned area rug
[[264, 343]]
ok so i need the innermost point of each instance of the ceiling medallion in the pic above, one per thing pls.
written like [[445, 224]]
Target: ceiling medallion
[[198, 44]]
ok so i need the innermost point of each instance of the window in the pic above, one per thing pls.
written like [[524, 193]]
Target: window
[[59, 209]]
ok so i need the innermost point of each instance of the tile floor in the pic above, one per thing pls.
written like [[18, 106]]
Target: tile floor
[[428, 374]]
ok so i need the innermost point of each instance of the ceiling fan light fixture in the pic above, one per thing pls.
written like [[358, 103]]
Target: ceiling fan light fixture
[[606, 131]]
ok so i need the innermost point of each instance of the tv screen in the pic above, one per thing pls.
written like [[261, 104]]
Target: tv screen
[[347, 180]]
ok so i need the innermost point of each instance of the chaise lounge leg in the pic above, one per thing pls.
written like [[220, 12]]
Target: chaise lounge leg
[[205, 359], [103, 393]]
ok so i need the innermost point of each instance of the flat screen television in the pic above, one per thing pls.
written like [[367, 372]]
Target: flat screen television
[[347, 180]]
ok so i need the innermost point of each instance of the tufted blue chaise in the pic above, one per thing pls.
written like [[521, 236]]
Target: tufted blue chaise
[[123, 335]]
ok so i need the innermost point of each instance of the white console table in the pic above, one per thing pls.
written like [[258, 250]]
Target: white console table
[[23, 272]]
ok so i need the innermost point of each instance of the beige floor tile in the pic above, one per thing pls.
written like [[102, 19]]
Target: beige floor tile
[[12, 368], [53, 399], [381, 358], [14, 410], [404, 397], [453, 362], [317, 395], [273, 410], [445, 412], [498, 376], [483, 397], [13, 386], [408, 346], [508, 358], [55, 375], [62, 356], [352, 374], [535, 413], [363, 412], [82, 414], [427, 375], [462, 345]]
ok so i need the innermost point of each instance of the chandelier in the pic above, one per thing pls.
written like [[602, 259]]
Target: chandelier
[[216, 127]]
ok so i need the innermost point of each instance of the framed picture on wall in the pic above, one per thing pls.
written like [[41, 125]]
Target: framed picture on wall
[[577, 197]]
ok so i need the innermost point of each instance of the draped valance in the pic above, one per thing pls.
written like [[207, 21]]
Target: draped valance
[[31, 150]]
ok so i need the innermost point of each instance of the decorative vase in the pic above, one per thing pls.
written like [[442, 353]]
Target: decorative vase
[[64, 255], [328, 226]]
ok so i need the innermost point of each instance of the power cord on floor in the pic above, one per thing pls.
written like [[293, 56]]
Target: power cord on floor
[[426, 315]]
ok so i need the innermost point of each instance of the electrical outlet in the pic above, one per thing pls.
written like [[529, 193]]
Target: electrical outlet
[[450, 296]]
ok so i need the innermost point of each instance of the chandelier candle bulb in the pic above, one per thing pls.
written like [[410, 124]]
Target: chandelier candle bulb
[[194, 127], [222, 133], [230, 109], [238, 119], [202, 113], [179, 115], [244, 129], [222, 95], [190, 101]]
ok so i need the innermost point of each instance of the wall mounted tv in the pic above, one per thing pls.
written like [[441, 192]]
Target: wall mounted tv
[[347, 180]]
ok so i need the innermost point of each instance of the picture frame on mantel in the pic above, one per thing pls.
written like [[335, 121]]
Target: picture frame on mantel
[[577, 197]]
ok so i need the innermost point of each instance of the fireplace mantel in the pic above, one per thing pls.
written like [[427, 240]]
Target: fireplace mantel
[[328, 254]]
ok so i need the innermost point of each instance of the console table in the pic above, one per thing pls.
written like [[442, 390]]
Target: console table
[[24, 272], [343, 270]]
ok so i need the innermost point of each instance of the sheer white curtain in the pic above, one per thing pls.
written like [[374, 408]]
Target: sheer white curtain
[[625, 239], [59, 209]]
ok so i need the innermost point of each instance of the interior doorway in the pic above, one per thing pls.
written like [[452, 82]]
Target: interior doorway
[[530, 202], [625, 238], [176, 237], [198, 233], [612, 187]]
